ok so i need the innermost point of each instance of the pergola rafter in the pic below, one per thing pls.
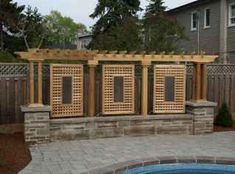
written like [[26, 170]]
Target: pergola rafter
[[45, 54]]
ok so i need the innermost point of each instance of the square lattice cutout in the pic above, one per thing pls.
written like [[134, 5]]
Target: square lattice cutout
[[118, 99], [66, 102], [169, 89]]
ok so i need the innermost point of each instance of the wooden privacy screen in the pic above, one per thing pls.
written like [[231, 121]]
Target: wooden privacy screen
[[169, 89], [66, 90], [118, 89]]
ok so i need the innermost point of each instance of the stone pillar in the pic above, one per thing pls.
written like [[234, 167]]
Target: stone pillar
[[203, 116], [36, 124]]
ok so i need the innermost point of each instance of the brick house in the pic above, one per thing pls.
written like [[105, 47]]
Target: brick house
[[209, 26]]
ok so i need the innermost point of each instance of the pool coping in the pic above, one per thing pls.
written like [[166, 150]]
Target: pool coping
[[121, 167]]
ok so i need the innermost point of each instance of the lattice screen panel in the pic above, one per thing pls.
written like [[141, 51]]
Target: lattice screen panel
[[13, 69], [111, 72], [173, 78], [58, 73]]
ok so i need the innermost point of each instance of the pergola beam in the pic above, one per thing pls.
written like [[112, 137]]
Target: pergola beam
[[155, 58], [94, 57], [45, 54]]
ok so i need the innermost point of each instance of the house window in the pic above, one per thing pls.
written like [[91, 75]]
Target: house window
[[194, 21], [207, 16], [232, 15]]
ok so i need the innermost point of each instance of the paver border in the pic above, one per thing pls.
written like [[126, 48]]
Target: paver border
[[121, 167]]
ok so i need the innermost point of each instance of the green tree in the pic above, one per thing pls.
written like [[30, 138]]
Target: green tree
[[161, 31], [224, 117], [61, 29], [155, 6], [10, 14], [117, 27], [32, 28]]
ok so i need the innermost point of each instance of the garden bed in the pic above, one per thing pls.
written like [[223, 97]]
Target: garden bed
[[223, 129], [14, 153]]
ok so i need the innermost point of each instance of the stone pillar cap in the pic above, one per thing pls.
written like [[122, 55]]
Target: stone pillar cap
[[35, 109], [201, 103]]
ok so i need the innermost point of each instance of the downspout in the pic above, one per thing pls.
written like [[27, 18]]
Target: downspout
[[1, 37], [1, 28], [198, 32], [223, 31]]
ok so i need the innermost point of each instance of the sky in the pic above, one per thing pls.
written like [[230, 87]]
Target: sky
[[79, 10]]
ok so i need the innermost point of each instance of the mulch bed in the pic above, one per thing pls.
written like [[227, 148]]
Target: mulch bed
[[223, 129], [14, 153]]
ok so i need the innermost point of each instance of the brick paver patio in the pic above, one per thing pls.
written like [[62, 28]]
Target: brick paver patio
[[73, 157]]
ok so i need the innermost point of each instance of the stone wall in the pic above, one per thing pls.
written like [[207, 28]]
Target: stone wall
[[105, 127], [36, 124], [39, 128], [203, 116]]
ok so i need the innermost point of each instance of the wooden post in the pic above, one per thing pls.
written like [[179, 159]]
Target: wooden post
[[204, 82], [91, 88], [39, 82], [197, 82], [194, 82], [31, 82], [145, 65]]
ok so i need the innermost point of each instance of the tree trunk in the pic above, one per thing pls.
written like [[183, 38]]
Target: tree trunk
[[40, 43], [26, 42]]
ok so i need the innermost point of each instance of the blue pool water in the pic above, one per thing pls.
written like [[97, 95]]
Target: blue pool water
[[184, 169]]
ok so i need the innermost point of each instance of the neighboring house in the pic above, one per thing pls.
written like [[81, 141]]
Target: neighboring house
[[209, 26], [70, 46], [83, 41]]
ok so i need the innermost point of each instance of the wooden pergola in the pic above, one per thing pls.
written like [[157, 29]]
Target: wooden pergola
[[92, 58]]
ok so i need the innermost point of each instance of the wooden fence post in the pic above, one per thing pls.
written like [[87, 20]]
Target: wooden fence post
[[145, 65], [91, 88]]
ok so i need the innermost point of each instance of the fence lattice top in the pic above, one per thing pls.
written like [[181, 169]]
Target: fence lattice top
[[22, 69], [94, 56], [13, 69]]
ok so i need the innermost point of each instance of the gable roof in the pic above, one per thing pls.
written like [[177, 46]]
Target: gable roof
[[88, 35], [189, 5]]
